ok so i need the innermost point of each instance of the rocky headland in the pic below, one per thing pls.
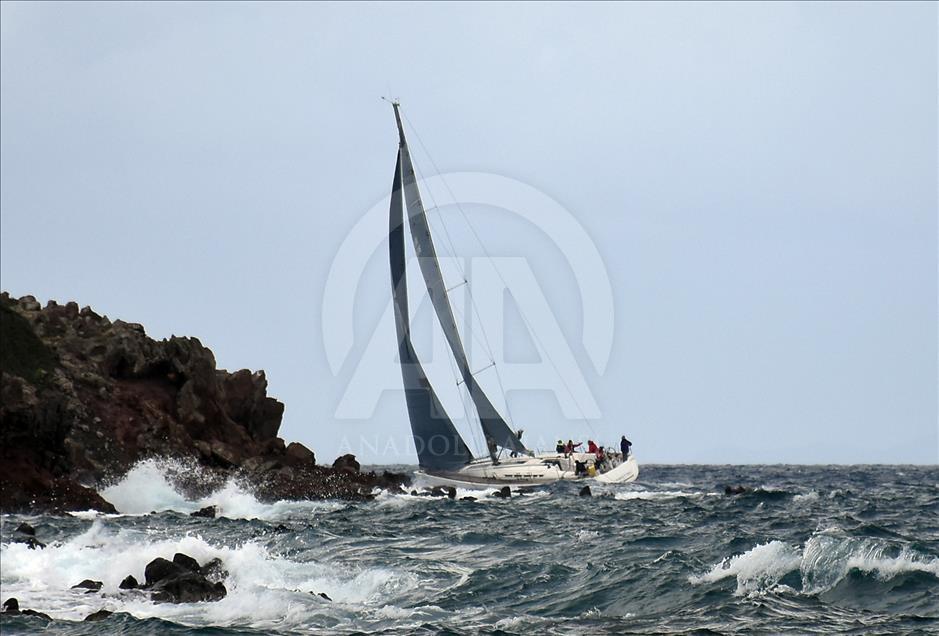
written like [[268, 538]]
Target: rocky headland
[[84, 398]]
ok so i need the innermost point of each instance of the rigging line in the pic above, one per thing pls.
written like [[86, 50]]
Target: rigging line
[[521, 312], [456, 259], [466, 409], [446, 232]]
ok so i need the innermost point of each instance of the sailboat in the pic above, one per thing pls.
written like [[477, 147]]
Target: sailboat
[[444, 458]]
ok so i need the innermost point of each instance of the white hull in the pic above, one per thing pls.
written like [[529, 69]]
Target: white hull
[[541, 469]]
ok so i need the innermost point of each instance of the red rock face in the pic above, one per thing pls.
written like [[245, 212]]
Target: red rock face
[[85, 398]]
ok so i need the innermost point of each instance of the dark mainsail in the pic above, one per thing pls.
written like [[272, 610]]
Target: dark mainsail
[[495, 429], [439, 445]]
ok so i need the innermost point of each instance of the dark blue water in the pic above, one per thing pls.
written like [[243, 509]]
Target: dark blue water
[[810, 550]]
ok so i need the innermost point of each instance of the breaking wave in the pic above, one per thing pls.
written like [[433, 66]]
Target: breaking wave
[[264, 588], [151, 486], [825, 561]]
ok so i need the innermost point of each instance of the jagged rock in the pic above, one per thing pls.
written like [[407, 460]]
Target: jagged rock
[[181, 581], [82, 399], [25, 528], [31, 542], [129, 583], [12, 606], [29, 303], [208, 512], [100, 615], [224, 455], [186, 561], [88, 584], [585, 492], [324, 595], [451, 492], [214, 570], [503, 493], [346, 463], [160, 569], [734, 490], [189, 587], [300, 454]]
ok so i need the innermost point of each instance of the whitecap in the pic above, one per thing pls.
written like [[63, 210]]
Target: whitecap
[[265, 590], [806, 497], [756, 569], [149, 487], [651, 495]]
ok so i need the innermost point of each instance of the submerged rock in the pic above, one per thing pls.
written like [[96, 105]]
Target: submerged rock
[[31, 542], [11, 606], [88, 584], [25, 528], [208, 512], [503, 493], [100, 615], [585, 492], [214, 570]]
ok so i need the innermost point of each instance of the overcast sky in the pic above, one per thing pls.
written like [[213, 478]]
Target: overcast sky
[[758, 181]]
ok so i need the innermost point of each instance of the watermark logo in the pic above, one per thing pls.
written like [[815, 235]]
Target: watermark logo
[[496, 287]]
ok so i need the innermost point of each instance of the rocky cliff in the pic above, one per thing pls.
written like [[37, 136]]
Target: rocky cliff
[[83, 398]]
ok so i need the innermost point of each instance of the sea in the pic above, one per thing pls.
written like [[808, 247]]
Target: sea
[[805, 550]]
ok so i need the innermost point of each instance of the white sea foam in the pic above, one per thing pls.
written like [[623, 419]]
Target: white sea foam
[[652, 495], [825, 560], [264, 589], [828, 558], [148, 486], [806, 497], [755, 569]]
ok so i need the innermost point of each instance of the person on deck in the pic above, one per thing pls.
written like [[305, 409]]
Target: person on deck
[[569, 449], [624, 445], [518, 434], [592, 447], [560, 447]]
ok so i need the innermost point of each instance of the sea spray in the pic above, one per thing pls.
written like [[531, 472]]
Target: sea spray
[[666, 555], [153, 485]]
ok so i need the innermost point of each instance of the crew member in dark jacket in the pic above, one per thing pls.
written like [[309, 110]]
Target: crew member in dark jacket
[[624, 445]]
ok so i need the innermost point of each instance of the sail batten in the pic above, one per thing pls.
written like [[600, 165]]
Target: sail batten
[[497, 433], [438, 443]]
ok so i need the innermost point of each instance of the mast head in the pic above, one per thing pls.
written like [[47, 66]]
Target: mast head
[[396, 104]]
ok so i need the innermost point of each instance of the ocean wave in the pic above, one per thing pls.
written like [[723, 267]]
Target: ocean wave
[[653, 495], [150, 487], [263, 588], [806, 497], [824, 562], [759, 567]]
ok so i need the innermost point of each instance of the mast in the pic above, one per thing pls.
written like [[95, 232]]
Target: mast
[[495, 429]]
